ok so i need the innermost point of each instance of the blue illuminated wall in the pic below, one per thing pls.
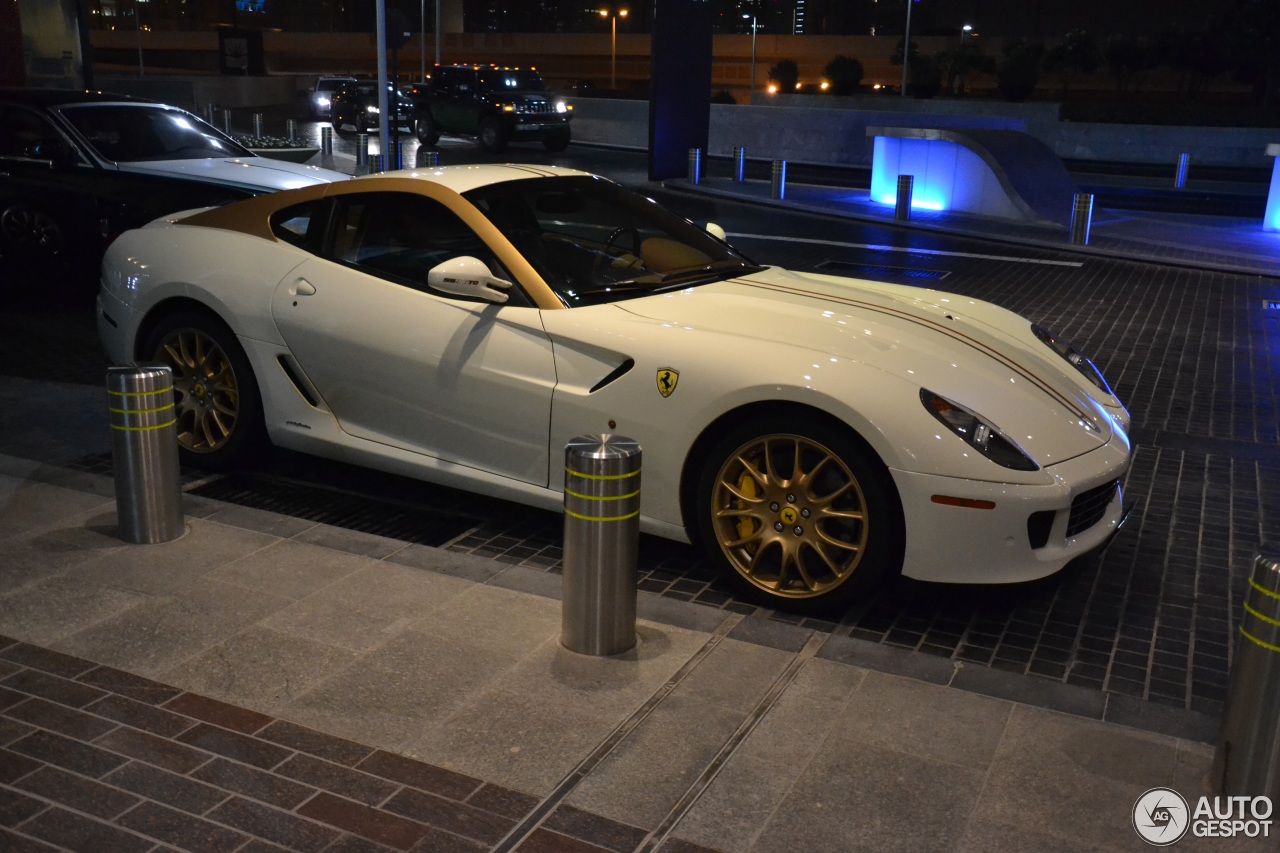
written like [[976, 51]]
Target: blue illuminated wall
[[947, 176], [1271, 220]]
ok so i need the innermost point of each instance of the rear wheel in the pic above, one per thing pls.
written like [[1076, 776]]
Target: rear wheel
[[803, 517], [492, 135], [219, 409], [32, 233]]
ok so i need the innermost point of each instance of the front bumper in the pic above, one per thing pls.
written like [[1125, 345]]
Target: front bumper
[[1030, 533]]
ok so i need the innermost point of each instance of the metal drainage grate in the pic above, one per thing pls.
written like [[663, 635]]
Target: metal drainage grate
[[420, 525], [882, 271]]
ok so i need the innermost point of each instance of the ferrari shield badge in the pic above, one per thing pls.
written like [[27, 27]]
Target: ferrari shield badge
[[667, 379]]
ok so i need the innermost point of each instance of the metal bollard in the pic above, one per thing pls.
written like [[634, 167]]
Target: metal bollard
[[1081, 218], [257, 125], [778, 186], [144, 452], [1180, 179], [326, 141], [397, 156], [601, 539], [362, 153], [739, 165], [1247, 761], [427, 159], [210, 112], [902, 208], [375, 164], [291, 129], [226, 122], [695, 165]]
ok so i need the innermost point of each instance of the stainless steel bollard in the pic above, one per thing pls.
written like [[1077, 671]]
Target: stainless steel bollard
[[362, 153], [226, 122], [1081, 218], [739, 164], [778, 184], [375, 164], [601, 539], [291, 129], [902, 207], [695, 165], [326, 141], [144, 451], [1247, 761], [257, 125], [1180, 178], [210, 112], [397, 156], [427, 159]]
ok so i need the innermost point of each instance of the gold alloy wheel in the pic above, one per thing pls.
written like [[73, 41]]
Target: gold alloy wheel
[[790, 516], [204, 389]]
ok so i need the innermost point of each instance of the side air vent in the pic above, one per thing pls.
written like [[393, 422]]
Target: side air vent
[[617, 373], [303, 388]]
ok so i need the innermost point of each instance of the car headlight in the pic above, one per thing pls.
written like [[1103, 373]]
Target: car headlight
[[322, 101], [977, 432], [1073, 356], [371, 109], [562, 107]]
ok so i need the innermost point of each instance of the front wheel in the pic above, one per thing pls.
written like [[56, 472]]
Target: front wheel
[[803, 517], [556, 141], [219, 410], [492, 135], [424, 127]]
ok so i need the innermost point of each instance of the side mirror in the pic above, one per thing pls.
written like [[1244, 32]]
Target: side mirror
[[59, 154], [470, 278], [716, 231]]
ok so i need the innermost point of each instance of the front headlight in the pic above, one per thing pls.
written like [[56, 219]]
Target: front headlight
[[977, 432], [562, 107], [1074, 357], [371, 109]]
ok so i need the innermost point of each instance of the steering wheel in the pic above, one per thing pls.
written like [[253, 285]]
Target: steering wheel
[[606, 254]]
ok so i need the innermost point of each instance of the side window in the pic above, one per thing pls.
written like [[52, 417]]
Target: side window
[[292, 223], [401, 237], [25, 134]]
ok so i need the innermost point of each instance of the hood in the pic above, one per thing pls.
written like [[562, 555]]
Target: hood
[[255, 173], [971, 352]]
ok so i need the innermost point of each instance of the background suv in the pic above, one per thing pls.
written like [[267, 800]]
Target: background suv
[[323, 91], [493, 104], [356, 104]]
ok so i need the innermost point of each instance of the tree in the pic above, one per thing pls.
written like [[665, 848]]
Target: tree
[[924, 76], [1127, 57], [785, 73], [1018, 72], [844, 73], [959, 65], [1076, 54]]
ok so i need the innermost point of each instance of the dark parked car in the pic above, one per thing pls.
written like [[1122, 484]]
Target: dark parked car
[[495, 105], [78, 168], [355, 104]]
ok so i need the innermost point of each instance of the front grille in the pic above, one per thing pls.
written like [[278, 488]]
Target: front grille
[[537, 107], [1088, 507]]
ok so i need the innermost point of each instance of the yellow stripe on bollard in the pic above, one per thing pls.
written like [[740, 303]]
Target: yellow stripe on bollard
[[144, 428], [573, 514], [635, 473], [1265, 645], [574, 494]]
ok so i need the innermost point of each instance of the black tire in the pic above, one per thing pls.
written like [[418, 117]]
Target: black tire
[[30, 232], [788, 541], [492, 135], [219, 408], [557, 140], [424, 128]]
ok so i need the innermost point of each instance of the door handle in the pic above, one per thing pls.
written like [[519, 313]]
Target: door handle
[[304, 288]]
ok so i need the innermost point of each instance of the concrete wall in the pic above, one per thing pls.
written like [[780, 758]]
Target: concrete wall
[[821, 134]]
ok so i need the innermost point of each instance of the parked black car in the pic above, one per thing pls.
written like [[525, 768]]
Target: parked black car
[[355, 104], [78, 168], [495, 105]]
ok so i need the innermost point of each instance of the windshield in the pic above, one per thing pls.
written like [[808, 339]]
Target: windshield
[[593, 241], [132, 133], [512, 81]]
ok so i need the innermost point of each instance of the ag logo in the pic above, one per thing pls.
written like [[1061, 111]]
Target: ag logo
[[667, 379], [1161, 817]]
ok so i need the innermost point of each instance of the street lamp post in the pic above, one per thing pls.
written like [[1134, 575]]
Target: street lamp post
[[751, 89], [613, 44], [964, 31], [906, 50]]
